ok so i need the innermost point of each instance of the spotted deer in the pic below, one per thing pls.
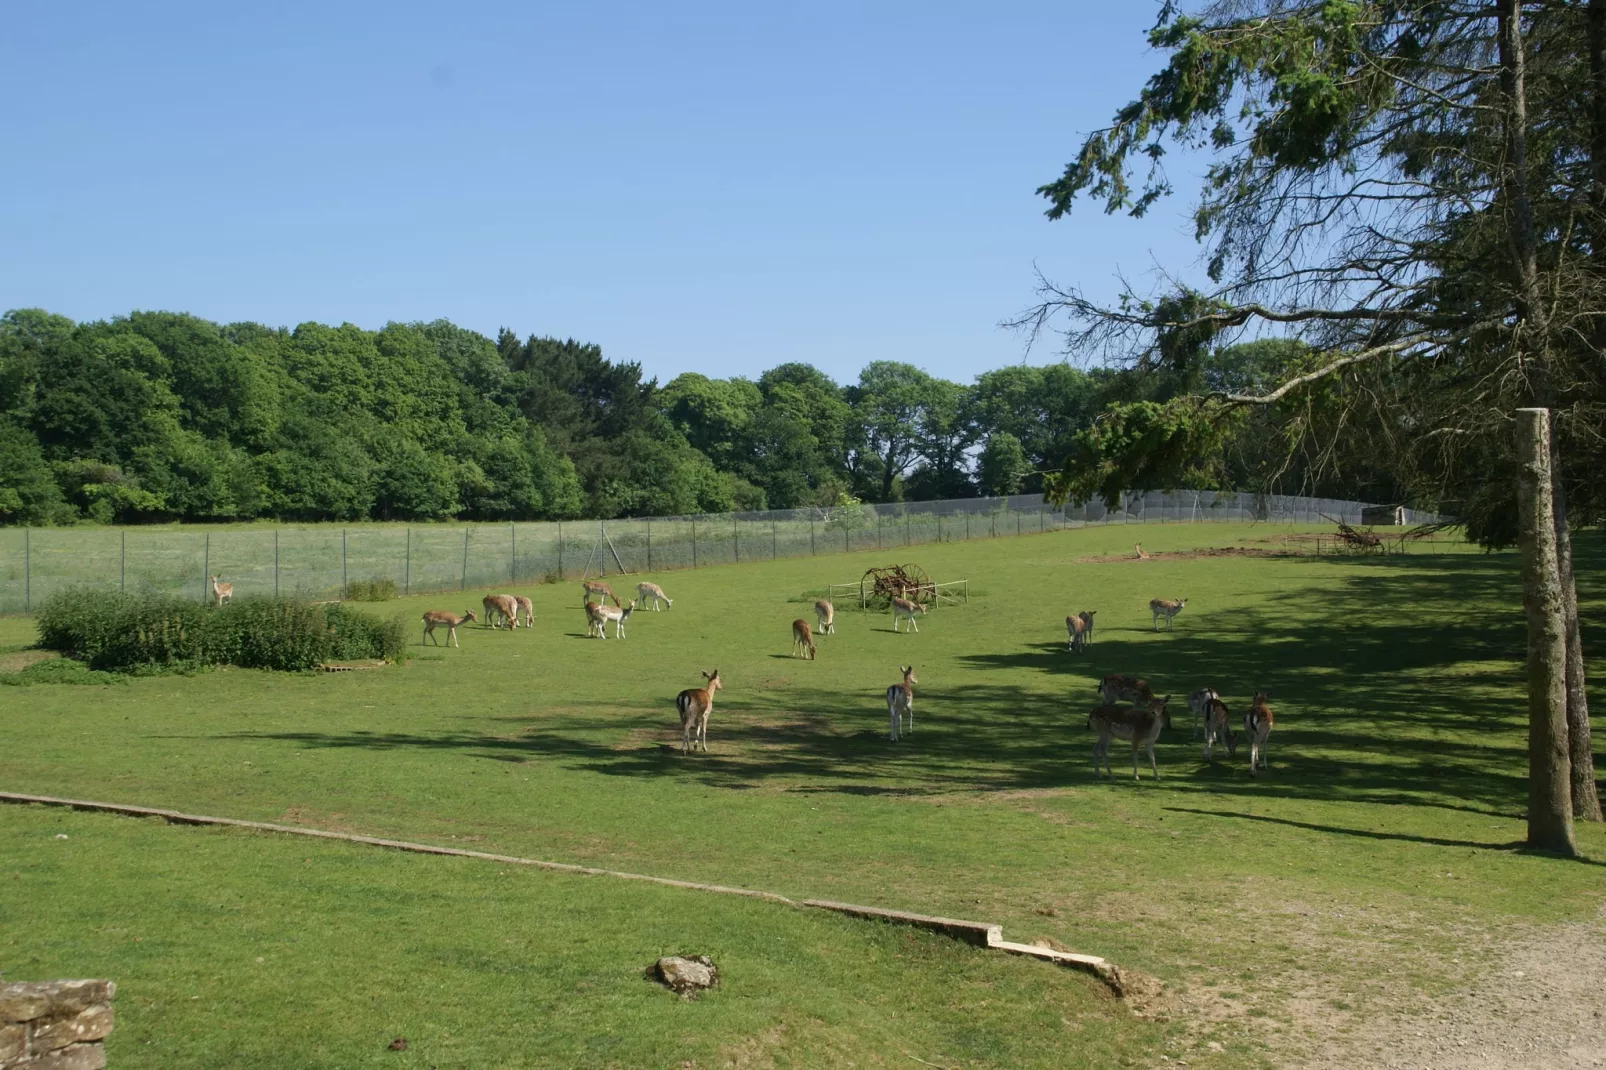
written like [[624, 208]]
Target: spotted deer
[[901, 703], [651, 592], [1167, 608], [1218, 729], [440, 617], [223, 592], [1118, 687], [825, 617], [695, 704], [600, 613], [601, 590], [903, 609], [1140, 725], [1199, 705], [1080, 630], [802, 639], [500, 606], [527, 608], [1257, 726]]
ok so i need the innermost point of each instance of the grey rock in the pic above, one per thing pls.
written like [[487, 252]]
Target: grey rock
[[687, 974]]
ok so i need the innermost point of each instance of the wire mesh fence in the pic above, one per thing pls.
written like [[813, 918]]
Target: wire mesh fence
[[319, 561]]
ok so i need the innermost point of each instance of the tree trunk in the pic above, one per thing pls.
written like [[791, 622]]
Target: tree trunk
[[1550, 810], [1581, 757]]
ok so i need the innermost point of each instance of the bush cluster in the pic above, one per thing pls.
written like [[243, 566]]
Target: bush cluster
[[372, 590], [127, 632]]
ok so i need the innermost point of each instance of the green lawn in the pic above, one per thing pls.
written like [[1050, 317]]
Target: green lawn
[[1385, 825]]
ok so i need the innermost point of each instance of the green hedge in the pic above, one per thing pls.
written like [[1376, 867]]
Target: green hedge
[[124, 632]]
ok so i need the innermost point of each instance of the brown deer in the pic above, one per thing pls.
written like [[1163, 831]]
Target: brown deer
[[526, 607], [435, 617], [1218, 729], [1257, 726], [651, 592], [825, 615], [901, 703], [1199, 705], [802, 639], [1142, 554], [1080, 630], [1167, 608], [1138, 724], [601, 590], [1118, 687], [695, 704], [223, 592], [903, 609], [503, 606], [600, 613]]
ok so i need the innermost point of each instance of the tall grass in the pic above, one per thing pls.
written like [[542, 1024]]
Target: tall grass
[[125, 632]]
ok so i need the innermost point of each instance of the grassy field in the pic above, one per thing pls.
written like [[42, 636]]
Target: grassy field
[[1373, 867]]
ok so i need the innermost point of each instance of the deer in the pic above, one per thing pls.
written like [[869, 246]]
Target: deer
[[901, 702], [1257, 726], [1167, 608], [1218, 729], [1142, 554], [802, 638], [1137, 724], [903, 609], [1199, 704], [223, 592], [503, 606], [1080, 630], [1118, 686], [601, 590], [435, 617], [695, 704], [526, 607], [651, 592], [825, 616], [600, 614]]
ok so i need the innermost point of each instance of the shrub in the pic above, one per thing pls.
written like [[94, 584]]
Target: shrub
[[355, 634], [60, 671], [371, 590], [113, 630], [270, 633]]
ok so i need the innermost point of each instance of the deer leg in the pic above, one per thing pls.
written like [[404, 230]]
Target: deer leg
[[1155, 769], [913, 625]]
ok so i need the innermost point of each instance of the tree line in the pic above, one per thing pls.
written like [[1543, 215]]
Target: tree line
[[160, 416]]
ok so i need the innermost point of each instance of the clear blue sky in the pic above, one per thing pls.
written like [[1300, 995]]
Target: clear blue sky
[[708, 187]]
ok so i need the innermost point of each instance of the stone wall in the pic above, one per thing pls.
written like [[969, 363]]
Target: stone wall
[[55, 1025]]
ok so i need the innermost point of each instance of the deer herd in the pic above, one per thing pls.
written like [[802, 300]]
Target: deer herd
[[1128, 709]]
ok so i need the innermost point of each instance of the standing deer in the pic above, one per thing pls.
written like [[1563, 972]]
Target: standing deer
[[503, 606], [1118, 687], [526, 607], [901, 703], [1218, 729], [1257, 726], [1137, 547], [1199, 703], [1165, 607], [451, 620], [1138, 724], [695, 704], [1080, 630], [601, 590], [825, 615], [802, 639], [600, 613], [651, 592], [903, 609], [223, 592]]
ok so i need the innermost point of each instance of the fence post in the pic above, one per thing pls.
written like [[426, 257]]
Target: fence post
[[463, 585], [995, 524], [775, 546], [407, 568], [812, 551], [513, 553], [736, 538], [908, 529], [275, 562], [206, 565], [27, 570], [122, 566], [878, 529], [693, 542], [649, 544], [967, 525], [345, 577], [1018, 522], [560, 551]]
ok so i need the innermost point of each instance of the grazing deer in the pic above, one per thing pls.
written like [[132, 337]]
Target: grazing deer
[[1142, 554], [1218, 729], [1257, 726], [600, 613], [903, 609], [1118, 687], [901, 702], [1199, 704], [802, 638], [646, 592], [1080, 630], [223, 592], [1165, 607], [451, 620], [825, 616], [695, 704], [601, 590], [526, 607], [503, 606], [1138, 724]]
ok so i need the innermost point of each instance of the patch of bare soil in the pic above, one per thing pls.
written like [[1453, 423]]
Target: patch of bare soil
[[21, 659], [1189, 555]]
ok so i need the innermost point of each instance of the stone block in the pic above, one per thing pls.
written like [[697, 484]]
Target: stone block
[[93, 1023], [23, 1002], [13, 1043], [73, 1057]]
